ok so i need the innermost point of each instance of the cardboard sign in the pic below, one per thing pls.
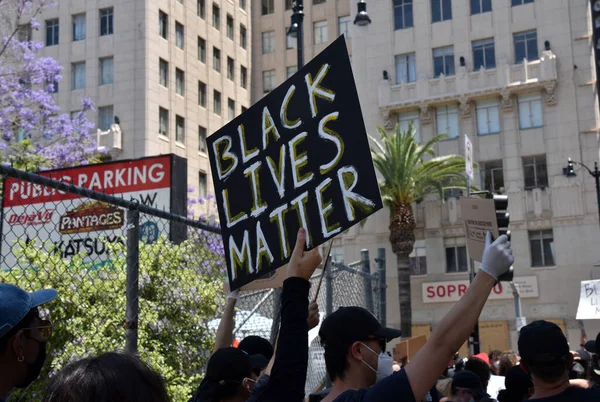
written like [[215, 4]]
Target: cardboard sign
[[452, 291], [589, 300], [407, 349], [479, 216], [298, 157], [468, 157]]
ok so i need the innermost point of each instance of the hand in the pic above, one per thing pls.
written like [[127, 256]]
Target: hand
[[303, 263], [234, 295], [313, 315], [497, 256]]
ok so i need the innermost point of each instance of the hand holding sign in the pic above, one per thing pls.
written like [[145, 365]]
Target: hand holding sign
[[497, 256], [303, 263]]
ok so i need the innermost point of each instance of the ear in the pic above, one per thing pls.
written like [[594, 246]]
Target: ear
[[17, 344], [524, 367], [355, 351]]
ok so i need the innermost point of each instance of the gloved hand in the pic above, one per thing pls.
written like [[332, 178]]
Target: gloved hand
[[497, 256], [235, 295]]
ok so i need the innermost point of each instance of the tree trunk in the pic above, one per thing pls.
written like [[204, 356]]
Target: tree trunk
[[404, 294]]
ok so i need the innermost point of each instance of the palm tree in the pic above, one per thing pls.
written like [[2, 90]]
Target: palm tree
[[408, 172]]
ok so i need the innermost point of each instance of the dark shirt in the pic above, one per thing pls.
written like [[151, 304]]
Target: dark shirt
[[573, 394], [394, 388]]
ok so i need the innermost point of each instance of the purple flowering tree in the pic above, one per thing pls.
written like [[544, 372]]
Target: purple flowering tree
[[34, 134]]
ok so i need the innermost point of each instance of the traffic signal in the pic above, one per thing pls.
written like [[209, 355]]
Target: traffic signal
[[569, 171], [503, 220]]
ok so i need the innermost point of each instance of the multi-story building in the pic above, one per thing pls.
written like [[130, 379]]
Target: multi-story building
[[274, 53], [172, 71], [517, 77]]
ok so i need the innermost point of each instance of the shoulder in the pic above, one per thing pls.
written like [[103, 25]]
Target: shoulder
[[351, 396]]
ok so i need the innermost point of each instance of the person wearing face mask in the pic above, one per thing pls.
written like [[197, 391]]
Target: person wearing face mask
[[354, 342], [23, 336], [494, 360]]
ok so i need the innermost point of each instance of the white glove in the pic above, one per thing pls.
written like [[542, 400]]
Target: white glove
[[235, 295], [497, 256]]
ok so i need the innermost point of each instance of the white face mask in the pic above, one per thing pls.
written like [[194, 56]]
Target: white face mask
[[497, 364], [385, 364]]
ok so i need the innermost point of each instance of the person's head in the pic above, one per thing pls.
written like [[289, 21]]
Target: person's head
[[518, 386], [354, 343], [106, 378], [480, 368], [494, 360], [508, 360], [593, 347], [229, 377], [545, 353], [23, 335], [259, 351], [466, 387]]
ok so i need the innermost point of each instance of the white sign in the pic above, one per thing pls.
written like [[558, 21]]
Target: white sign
[[70, 224], [468, 157], [589, 300], [452, 291]]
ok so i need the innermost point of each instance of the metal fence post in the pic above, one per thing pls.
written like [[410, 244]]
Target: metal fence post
[[382, 286], [328, 288], [133, 265], [366, 267]]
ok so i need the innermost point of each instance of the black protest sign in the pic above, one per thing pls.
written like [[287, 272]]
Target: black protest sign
[[298, 157]]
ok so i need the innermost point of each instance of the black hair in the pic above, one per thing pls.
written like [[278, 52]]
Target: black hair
[[335, 360], [108, 377], [481, 368], [24, 323], [512, 396], [549, 372], [494, 353]]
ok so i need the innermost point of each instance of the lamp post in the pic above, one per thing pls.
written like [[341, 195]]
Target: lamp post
[[570, 172]]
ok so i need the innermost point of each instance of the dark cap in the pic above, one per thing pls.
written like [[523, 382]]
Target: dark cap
[[468, 380], [517, 382], [591, 346], [351, 324], [542, 342], [259, 349], [228, 364]]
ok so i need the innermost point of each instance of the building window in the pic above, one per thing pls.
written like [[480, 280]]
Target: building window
[[480, 6], [541, 243], [105, 117], [202, 184], [52, 32], [52, 86], [526, 46], [403, 14], [179, 35], [179, 129], [243, 4], [201, 94], [216, 59], [484, 54], [267, 7], [243, 77], [229, 26], [244, 109], [456, 256], [163, 67], [289, 71], [230, 108], [492, 176], [78, 27], [344, 24], [268, 42], [418, 261], [179, 82], [163, 121], [268, 80], [318, 1], [180, 1], [201, 8], [230, 68], [530, 111], [201, 50], [216, 17], [24, 33], [163, 25], [535, 172], [201, 139], [243, 37], [289, 4], [404, 120], [447, 120], [78, 73], [217, 102], [106, 71], [106, 22], [406, 70], [443, 61], [488, 117], [290, 41], [520, 2], [320, 32], [441, 10]]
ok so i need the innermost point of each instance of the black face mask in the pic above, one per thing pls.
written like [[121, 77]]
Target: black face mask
[[34, 369]]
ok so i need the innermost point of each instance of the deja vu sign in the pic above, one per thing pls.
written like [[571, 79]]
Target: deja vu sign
[[299, 157], [69, 224]]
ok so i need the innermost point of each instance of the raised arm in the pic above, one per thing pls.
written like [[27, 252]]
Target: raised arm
[[224, 336]]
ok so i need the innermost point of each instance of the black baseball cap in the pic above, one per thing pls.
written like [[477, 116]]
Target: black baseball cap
[[259, 350], [468, 380], [517, 382], [352, 324], [226, 369], [542, 342], [592, 346]]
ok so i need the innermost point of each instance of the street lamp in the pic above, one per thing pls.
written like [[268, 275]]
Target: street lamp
[[362, 18], [570, 172]]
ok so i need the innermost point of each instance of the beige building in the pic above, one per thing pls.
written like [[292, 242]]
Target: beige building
[[173, 71], [517, 77]]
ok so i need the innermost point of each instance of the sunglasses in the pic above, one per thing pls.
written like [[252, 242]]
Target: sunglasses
[[381, 342], [42, 332]]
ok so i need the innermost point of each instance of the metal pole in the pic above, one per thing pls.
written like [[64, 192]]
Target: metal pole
[[382, 286], [132, 292], [367, 278], [597, 178], [474, 338], [517, 297], [299, 11], [328, 303]]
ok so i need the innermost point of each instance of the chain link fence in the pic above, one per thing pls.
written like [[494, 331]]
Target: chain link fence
[[136, 278]]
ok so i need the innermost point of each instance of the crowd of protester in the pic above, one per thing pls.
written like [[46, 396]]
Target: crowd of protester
[[359, 367]]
